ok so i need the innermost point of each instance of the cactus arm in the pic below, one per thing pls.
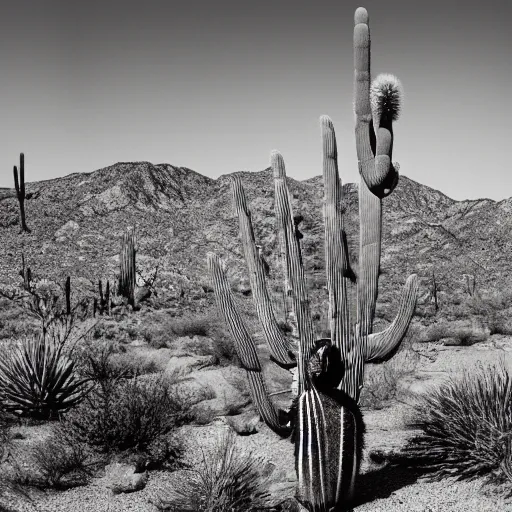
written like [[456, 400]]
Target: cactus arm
[[280, 349], [362, 78], [16, 181], [19, 185], [22, 175], [245, 348], [382, 346], [295, 268], [370, 241], [374, 135], [336, 258]]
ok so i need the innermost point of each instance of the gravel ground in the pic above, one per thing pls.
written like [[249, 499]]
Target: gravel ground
[[381, 489]]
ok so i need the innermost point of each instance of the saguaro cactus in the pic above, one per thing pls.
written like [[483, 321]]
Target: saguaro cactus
[[326, 422], [127, 278], [19, 183]]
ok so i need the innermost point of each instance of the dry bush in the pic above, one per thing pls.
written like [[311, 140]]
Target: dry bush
[[382, 380], [465, 426], [226, 479], [136, 415], [58, 461], [463, 335], [161, 330]]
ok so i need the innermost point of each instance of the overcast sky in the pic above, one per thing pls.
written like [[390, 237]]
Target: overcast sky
[[216, 85]]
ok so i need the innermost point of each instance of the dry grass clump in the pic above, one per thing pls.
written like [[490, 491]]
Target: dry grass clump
[[466, 426], [58, 461], [226, 479]]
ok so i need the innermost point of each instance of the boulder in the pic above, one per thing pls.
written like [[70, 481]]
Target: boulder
[[66, 231], [122, 478]]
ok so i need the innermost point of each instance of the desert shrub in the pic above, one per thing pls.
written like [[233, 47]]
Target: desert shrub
[[224, 350], [58, 461], [465, 425], [462, 334], [160, 331], [106, 329], [382, 380], [131, 415], [216, 342], [226, 479], [38, 379], [95, 362]]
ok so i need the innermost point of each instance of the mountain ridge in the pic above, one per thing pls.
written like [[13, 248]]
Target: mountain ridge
[[77, 222]]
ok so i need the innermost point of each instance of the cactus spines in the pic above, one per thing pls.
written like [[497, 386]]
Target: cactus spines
[[280, 349], [245, 349], [19, 184], [127, 277], [329, 437], [325, 419], [294, 267]]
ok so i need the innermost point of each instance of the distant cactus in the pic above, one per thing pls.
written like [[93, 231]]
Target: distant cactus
[[26, 274], [67, 292], [127, 277], [325, 418], [19, 183], [104, 304]]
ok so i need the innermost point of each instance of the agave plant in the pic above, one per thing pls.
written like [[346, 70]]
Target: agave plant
[[38, 380]]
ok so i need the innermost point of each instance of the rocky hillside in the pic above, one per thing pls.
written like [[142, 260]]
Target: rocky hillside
[[77, 223]]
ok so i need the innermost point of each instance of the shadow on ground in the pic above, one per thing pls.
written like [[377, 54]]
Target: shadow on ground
[[383, 481]]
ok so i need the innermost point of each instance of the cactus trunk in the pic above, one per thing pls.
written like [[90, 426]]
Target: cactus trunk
[[19, 184], [127, 277]]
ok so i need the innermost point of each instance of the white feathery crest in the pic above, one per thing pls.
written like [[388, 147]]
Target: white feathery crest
[[386, 97]]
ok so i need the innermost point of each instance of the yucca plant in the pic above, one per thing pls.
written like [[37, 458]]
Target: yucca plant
[[228, 479], [465, 425], [37, 379]]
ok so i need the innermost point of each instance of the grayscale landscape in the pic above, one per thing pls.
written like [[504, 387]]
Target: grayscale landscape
[[330, 332]]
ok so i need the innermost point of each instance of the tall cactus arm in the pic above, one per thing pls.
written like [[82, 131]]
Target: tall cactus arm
[[336, 257], [245, 349], [378, 173], [382, 345], [362, 79], [370, 241], [295, 269], [280, 349]]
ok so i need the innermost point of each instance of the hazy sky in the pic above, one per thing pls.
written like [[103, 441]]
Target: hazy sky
[[215, 85]]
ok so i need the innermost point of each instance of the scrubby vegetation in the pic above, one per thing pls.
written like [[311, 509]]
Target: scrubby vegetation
[[382, 381], [466, 426]]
